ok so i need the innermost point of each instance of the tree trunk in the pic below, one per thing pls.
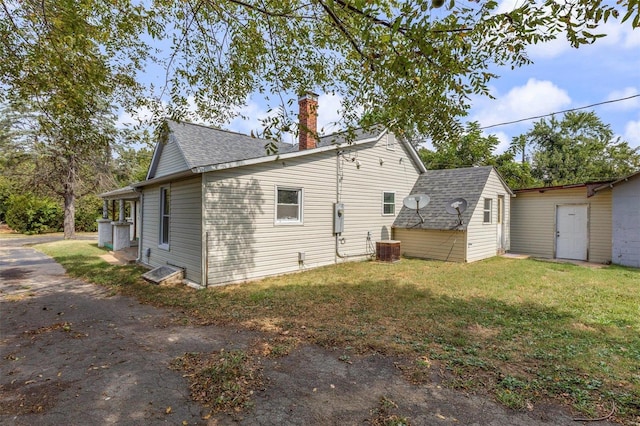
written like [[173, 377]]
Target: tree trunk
[[69, 215]]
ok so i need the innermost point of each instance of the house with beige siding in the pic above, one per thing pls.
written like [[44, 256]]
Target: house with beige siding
[[437, 231], [218, 207], [625, 219], [563, 222]]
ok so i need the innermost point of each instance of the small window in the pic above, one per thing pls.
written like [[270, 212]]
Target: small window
[[388, 203], [165, 216], [487, 210], [391, 142], [500, 208], [288, 205]]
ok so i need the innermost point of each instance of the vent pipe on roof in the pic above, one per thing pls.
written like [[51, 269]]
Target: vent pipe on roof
[[308, 121]]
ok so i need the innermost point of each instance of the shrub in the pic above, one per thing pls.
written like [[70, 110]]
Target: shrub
[[5, 193], [29, 214], [88, 210]]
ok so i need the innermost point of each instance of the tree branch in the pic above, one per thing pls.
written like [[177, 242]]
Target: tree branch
[[342, 29]]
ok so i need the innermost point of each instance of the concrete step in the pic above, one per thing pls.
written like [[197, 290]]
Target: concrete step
[[126, 256]]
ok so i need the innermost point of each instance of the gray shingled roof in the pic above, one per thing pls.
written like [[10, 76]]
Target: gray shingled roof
[[442, 186], [204, 146]]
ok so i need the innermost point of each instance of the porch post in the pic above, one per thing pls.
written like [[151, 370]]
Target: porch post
[[121, 212], [105, 230]]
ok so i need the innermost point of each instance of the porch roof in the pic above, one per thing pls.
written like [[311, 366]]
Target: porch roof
[[127, 193]]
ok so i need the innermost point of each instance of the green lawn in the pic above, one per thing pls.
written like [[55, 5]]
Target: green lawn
[[524, 330]]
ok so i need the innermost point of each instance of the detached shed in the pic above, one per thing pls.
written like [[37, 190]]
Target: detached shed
[[564, 222], [625, 219], [481, 231]]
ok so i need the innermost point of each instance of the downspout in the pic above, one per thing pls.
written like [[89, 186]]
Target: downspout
[[339, 177], [204, 250], [141, 198]]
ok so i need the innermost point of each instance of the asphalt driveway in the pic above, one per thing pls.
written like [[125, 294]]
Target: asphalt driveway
[[72, 353]]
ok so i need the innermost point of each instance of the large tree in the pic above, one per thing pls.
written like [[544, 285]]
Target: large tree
[[578, 148], [407, 64], [62, 73], [410, 65], [472, 149]]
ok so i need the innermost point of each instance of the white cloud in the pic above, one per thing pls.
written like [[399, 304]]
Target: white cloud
[[632, 133], [329, 113], [504, 139], [508, 6], [633, 39], [619, 35], [128, 119], [533, 99], [629, 104]]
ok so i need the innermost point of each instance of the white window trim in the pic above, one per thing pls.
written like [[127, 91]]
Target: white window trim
[[300, 220], [490, 210], [391, 142], [394, 203], [161, 245]]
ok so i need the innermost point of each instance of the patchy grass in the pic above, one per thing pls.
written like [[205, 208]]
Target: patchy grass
[[525, 330], [222, 381], [386, 414]]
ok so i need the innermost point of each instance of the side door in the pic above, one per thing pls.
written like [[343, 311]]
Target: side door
[[572, 238]]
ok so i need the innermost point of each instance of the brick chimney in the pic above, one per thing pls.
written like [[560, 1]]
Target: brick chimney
[[308, 121]]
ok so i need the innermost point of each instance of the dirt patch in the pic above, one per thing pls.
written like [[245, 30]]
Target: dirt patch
[[28, 397], [4, 229], [483, 332]]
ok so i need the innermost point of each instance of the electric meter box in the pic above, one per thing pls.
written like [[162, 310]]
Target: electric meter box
[[338, 218]]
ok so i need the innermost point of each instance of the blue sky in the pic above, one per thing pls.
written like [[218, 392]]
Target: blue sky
[[563, 78], [560, 78]]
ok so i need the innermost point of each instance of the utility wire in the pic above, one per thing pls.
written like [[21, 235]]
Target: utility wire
[[560, 112]]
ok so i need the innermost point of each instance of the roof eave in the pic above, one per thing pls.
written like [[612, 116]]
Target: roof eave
[[413, 153], [614, 183], [163, 179], [124, 193]]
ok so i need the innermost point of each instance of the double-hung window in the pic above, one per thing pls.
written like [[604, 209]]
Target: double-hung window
[[288, 205], [165, 216], [488, 205], [388, 203]]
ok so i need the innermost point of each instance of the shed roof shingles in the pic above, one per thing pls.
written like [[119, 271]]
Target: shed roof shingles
[[442, 186]]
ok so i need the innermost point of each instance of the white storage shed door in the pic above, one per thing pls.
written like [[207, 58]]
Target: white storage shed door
[[571, 232]]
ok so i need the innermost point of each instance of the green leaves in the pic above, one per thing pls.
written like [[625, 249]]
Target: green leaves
[[579, 148]]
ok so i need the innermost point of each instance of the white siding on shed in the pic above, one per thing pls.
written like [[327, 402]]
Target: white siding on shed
[[482, 237], [626, 223], [533, 221], [245, 242], [185, 235], [432, 244]]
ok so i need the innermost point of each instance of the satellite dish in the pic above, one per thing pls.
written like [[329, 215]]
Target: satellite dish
[[456, 206], [416, 201]]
